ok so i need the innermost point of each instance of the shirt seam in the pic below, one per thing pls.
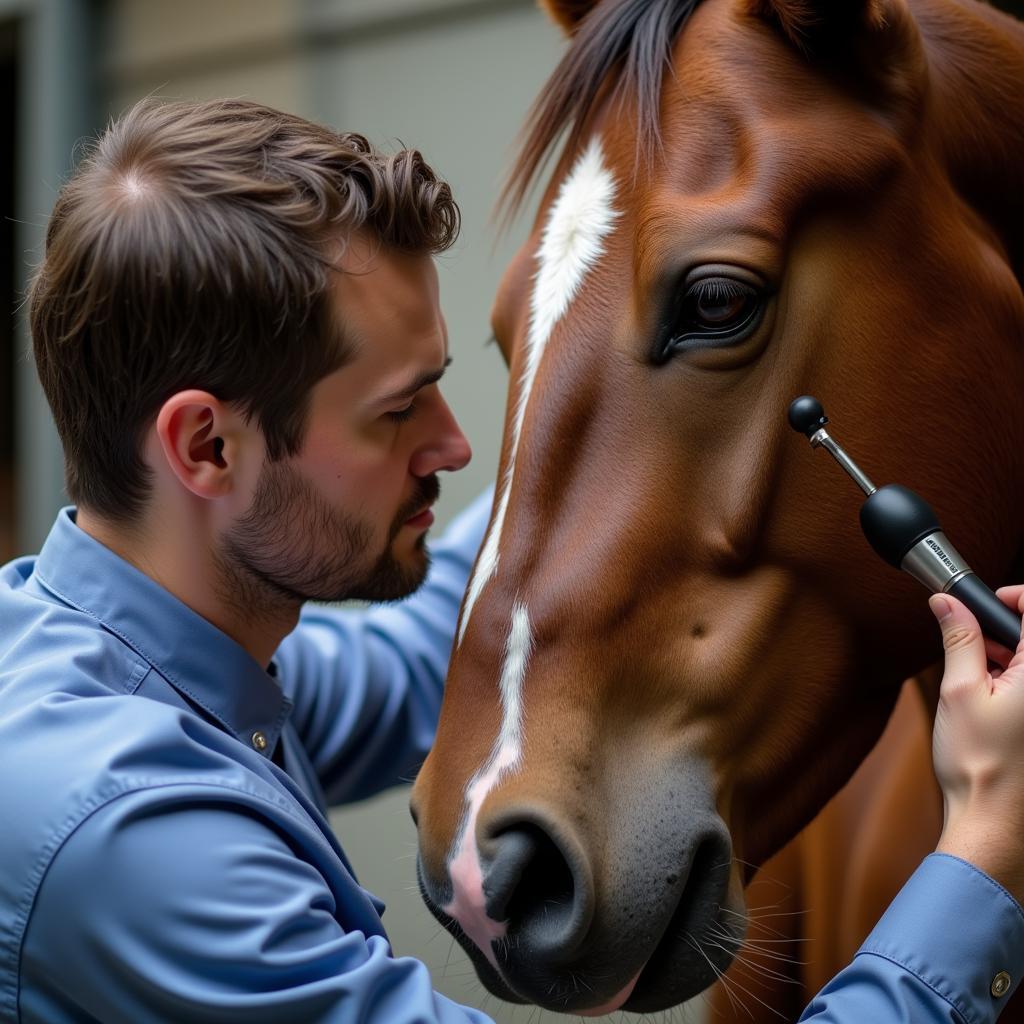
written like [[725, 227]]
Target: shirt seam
[[173, 677], [953, 1002], [975, 870], [139, 672], [15, 942]]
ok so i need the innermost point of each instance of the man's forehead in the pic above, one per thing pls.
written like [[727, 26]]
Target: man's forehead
[[361, 256], [386, 306], [376, 289]]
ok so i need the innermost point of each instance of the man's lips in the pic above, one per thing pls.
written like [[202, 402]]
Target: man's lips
[[422, 519]]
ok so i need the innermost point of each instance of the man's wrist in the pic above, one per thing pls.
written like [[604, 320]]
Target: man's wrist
[[991, 840]]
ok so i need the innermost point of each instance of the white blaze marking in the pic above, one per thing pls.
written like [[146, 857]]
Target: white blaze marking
[[580, 218], [467, 905], [572, 242]]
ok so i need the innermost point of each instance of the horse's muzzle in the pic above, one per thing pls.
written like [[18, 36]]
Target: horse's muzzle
[[582, 919]]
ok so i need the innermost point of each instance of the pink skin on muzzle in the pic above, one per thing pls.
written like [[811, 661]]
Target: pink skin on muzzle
[[615, 1002]]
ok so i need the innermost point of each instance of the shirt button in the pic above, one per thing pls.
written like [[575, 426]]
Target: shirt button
[[259, 741], [1000, 984]]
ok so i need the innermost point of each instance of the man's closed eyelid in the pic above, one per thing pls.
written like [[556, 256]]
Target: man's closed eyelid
[[401, 415]]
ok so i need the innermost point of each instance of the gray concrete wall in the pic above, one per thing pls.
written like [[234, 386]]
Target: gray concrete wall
[[56, 99]]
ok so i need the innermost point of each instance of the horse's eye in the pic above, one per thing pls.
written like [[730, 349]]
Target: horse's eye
[[713, 312], [719, 302]]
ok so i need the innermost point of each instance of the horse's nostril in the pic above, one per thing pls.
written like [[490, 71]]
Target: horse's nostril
[[530, 884], [506, 876]]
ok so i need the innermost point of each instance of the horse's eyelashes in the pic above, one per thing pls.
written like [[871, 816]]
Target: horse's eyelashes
[[716, 301], [719, 287]]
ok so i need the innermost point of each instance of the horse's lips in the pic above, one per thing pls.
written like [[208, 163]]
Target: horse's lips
[[637, 991], [616, 1002], [664, 967]]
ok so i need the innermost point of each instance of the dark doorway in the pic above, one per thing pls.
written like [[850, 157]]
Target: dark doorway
[[9, 281]]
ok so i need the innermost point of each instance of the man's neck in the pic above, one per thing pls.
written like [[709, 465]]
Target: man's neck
[[187, 568]]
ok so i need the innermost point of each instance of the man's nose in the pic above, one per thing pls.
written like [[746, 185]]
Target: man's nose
[[447, 450]]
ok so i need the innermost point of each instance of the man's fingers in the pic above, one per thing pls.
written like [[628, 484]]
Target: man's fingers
[[962, 640], [1017, 661], [997, 653], [1012, 596]]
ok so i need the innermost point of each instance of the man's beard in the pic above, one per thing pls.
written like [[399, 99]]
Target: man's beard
[[290, 546]]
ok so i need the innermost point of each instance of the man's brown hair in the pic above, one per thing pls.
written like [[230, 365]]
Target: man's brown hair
[[190, 249]]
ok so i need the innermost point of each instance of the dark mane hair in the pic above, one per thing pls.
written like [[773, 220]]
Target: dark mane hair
[[632, 39]]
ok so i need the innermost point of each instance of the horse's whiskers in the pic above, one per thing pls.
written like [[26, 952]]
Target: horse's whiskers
[[768, 954], [772, 914], [759, 941], [754, 922], [747, 962], [734, 1000], [758, 946], [754, 996], [726, 982]]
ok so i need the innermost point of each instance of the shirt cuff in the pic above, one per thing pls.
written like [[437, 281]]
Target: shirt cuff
[[958, 931]]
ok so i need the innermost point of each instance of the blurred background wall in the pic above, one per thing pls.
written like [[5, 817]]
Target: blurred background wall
[[453, 78]]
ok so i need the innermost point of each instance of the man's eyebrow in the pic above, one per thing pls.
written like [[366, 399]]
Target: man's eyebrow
[[424, 380]]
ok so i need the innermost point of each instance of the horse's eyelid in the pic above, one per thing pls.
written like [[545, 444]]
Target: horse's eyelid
[[727, 286]]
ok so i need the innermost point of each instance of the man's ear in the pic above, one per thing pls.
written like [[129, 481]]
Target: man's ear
[[567, 13], [200, 438]]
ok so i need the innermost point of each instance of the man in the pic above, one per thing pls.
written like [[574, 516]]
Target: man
[[236, 324]]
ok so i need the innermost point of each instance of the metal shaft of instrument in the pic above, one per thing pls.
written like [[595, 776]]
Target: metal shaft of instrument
[[822, 439]]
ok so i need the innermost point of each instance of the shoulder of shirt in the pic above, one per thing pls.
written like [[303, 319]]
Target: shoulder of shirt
[[48, 644], [74, 734]]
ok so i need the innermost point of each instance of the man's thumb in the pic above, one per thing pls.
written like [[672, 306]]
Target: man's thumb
[[961, 638]]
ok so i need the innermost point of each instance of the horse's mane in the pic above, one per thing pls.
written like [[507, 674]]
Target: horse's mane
[[631, 38]]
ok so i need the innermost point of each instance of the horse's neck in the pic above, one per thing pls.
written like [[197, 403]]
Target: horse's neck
[[976, 70], [928, 682]]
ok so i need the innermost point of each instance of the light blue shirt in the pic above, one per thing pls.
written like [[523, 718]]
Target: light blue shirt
[[157, 866], [934, 957]]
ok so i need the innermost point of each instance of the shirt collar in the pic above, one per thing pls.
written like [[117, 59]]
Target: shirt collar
[[200, 661]]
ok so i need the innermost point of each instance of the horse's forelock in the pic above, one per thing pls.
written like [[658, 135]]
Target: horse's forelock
[[630, 38]]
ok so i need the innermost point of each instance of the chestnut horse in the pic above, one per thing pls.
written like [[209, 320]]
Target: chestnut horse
[[676, 646]]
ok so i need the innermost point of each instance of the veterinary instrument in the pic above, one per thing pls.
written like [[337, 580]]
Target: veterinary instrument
[[901, 526]]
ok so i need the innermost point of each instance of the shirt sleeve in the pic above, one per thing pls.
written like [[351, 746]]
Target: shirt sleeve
[[367, 685], [950, 948], [204, 913]]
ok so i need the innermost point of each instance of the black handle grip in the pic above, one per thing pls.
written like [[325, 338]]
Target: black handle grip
[[996, 620]]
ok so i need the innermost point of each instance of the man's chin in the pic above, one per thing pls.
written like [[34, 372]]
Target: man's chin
[[395, 578]]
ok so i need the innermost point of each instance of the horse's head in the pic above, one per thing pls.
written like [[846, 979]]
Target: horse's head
[[676, 645]]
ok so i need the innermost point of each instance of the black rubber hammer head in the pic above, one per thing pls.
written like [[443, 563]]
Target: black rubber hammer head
[[806, 415]]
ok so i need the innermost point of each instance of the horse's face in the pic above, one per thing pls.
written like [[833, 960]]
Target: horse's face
[[676, 644]]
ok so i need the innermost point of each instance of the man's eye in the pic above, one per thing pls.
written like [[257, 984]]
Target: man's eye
[[401, 415], [713, 312]]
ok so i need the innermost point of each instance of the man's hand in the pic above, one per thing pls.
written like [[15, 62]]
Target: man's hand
[[978, 743]]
